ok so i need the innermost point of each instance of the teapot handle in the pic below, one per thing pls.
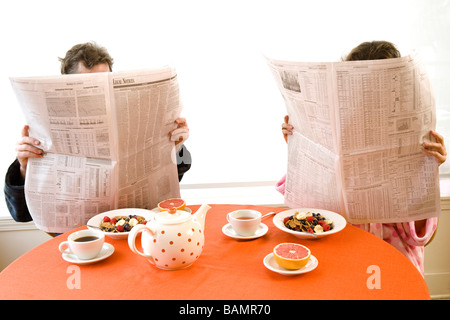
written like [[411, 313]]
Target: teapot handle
[[137, 229]]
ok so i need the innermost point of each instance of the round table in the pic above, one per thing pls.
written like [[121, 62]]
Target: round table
[[352, 264]]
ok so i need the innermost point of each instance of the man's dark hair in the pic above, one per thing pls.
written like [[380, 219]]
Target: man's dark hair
[[89, 53]]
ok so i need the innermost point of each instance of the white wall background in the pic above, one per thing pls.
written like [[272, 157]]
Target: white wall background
[[233, 107]]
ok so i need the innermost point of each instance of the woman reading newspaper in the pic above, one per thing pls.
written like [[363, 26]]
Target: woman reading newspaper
[[408, 237], [81, 58]]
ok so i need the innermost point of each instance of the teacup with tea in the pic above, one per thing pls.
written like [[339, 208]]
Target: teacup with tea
[[244, 222]]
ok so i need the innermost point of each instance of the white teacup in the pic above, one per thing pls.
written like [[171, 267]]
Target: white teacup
[[244, 222], [85, 244]]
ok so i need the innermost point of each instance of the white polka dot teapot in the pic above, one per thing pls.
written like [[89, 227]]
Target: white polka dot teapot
[[171, 240]]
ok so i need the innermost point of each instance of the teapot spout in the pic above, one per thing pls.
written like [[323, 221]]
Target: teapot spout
[[200, 215]]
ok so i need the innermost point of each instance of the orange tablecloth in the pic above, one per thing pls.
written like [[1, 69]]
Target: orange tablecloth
[[227, 269]]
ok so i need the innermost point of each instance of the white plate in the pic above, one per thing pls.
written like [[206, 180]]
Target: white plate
[[107, 250], [229, 231], [271, 264], [339, 222], [96, 220]]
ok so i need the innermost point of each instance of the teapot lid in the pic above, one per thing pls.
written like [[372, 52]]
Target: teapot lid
[[179, 216]]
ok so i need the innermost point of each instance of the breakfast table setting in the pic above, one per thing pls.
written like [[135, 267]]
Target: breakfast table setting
[[214, 252]]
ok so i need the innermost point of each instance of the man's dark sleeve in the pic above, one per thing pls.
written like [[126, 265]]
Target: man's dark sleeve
[[15, 194], [183, 161]]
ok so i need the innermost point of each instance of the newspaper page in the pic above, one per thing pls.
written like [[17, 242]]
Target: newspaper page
[[356, 147], [106, 143]]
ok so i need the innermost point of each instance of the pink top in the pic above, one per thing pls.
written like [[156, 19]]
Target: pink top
[[402, 236]]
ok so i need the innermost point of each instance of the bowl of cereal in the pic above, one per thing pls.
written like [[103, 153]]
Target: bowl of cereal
[[309, 223], [118, 223]]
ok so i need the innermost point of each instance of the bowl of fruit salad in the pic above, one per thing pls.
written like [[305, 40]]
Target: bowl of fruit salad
[[309, 223], [118, 223]]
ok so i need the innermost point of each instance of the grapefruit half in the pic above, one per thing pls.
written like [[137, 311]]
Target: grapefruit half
[[177, 203], [291, 256]]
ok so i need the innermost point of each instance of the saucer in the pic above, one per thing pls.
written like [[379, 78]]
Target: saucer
[[271, 264], [106, 251], [229, 231]]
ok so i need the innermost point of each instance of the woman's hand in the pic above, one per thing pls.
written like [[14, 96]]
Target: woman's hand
[[286, 128], [26, 149], [436, 149]]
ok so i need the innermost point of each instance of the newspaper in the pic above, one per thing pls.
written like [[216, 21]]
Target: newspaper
[[106, 138], [356, 147]]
